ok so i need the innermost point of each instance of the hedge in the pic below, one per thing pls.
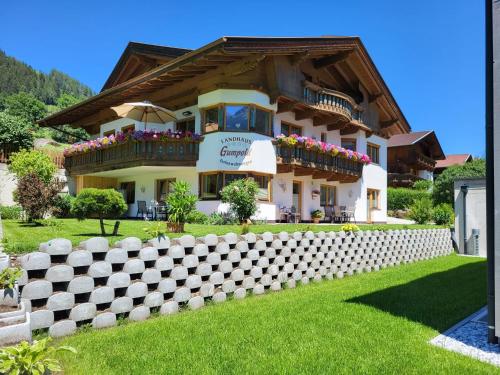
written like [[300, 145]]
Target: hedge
[[403, 198]]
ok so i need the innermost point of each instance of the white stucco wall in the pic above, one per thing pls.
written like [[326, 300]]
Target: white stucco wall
[[236, 96], [475, 208], [425, 174]]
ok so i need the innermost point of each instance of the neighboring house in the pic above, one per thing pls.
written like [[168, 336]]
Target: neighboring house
[[455, 159], [412, 157], [240, 93]]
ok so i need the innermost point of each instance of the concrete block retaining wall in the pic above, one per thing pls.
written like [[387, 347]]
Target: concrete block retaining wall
[[67, 287]]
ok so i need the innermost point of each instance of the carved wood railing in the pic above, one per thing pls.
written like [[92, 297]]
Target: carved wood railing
[[319, 161], [134, 153]]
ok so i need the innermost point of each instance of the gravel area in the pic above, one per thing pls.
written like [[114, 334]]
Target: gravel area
[[469, 337]]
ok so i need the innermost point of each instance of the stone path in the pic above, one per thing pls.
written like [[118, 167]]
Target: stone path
[[395, 220], [469, 337]]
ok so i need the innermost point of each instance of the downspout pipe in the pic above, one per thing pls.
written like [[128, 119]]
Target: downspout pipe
[[490, 186], [464, 189]]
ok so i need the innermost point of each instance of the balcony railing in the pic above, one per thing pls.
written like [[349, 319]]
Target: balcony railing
[[402, 179], [340, 167], [331, 101], [133, 154]]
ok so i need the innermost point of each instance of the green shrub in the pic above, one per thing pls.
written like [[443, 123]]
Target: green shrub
[[181, 202], [36, 358], [25, 162], [103, 203], [9, 276], [424, 185], [156, 230], [443, 191], [62, 206], [197, 217], [443, 214], [421, 210], [403, 198], [10, 212], [226, 218], [241, 196]]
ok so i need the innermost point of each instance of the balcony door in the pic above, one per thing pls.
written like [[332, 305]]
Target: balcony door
[[163, 188]]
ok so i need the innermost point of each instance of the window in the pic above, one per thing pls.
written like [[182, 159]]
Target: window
[[212, 183], [128, 191], [261, 121], [108, 133], [185, 125], [237, 118], [232, 117], [164, 188], [323, 137], [373, 152], [327, 195], [209, 186], [373, 198], [264, 192], [289, 129], [211, 120], [128, 128], [348, 143]]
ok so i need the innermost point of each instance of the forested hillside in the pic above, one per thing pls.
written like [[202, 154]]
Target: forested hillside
[[16, 77]]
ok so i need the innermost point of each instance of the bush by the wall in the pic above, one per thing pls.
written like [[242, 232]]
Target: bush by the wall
[[37, 197], [32, 162], [181, 203], [443, 214], [10, 212], [403, 198], [421, 210], [197, 217], [226, 218]]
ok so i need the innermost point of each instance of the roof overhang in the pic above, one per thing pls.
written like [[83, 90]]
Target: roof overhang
[[224, 50]]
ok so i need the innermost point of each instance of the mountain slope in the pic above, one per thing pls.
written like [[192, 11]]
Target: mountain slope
[[16, 76]]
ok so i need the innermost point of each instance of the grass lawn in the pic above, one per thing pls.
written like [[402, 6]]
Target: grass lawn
[[372, 323], [20, 237]]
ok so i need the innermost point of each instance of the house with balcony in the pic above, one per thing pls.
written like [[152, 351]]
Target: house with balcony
[[450, 161], [412, 157], [308, 119]]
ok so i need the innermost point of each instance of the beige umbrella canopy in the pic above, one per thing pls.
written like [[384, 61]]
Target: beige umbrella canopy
[[146, 112]]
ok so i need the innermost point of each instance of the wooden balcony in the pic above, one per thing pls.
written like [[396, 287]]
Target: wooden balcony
[[303, 162], [402, 179], [331, 101], [134, 154]]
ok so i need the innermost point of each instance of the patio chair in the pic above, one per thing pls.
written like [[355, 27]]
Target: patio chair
[[143, 211], [350, 214], [329, 217], [337, 214], [294, 215]]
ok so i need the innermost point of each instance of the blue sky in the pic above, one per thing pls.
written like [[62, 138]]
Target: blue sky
[[430, 53]]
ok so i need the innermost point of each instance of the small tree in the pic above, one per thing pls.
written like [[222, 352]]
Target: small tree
[[241, 196], [101, 203], [181, 203], [424, 185], [421, 211], [15, 131], [37, 197], [443, 186], [32, 162]]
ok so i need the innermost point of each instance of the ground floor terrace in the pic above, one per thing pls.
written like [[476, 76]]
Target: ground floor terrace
[[290, 195]]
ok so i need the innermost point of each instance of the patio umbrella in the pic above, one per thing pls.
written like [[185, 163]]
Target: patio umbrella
[[146, 112]]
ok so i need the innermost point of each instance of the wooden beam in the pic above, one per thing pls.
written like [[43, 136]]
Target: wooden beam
[[349, 129], [302, 115], [284, 168], [271, 78], [374, 97], [285, 107], [301, 171], [386, 124], [299, 57], [321, 174], [331, 60]]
